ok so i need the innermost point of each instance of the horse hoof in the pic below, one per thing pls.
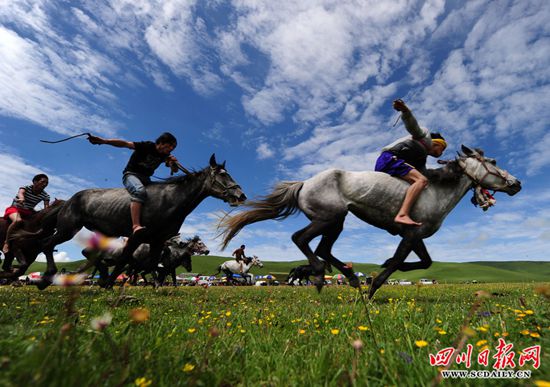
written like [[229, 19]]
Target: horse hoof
[[354, 282], [319, 287], [41, 285]]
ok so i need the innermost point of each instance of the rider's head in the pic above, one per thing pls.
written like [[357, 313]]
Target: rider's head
[[438, 145], [40, 181], [243, 247], [166, 143]]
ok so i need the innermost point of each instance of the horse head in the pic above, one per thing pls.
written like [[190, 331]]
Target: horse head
[[256, 262], [222, 185], [484, 172], [197, 246]]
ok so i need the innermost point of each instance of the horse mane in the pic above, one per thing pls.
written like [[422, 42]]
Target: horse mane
[[179, 178], [449, 173]]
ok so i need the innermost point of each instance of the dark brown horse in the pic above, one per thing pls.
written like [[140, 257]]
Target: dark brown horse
[[108, 212], [25, 239]]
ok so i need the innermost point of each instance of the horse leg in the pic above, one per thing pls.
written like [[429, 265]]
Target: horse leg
[[173, 273], [124, 259], [324, 248], [20, 269], [8, 261], [51, 269], [302, 238], [425, 260], [403, 250]]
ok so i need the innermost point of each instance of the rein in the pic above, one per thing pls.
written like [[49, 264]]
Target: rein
[[488, 172]]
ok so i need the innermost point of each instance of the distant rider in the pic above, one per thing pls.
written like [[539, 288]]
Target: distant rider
[[240, 257]]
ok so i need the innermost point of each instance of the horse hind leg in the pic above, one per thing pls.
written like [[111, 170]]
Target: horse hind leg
[[302, 238], [324, 250]]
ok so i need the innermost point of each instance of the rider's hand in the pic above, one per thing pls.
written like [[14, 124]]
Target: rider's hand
[[95, 140], [172, 162], [400, 106]]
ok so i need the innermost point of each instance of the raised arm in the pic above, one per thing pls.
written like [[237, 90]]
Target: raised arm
[[410, 122], [113, 142]]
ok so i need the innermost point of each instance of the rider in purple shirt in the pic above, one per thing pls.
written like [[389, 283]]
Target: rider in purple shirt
[[406, 159]]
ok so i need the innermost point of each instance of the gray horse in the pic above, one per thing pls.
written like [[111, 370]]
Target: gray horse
[[169, 203], [175, 253], [375, 198]]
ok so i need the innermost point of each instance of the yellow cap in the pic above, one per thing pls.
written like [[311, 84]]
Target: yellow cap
[[440, 141]]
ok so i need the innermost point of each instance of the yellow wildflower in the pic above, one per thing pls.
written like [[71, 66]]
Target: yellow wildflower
[[188, 367], [535, 335], [302, 331], [481, 342], [142, 382], [191, 330], [525, 332], [139, 315], [363, 328], [421, 343]]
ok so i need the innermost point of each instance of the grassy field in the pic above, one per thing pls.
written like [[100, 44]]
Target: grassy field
[[268, 336], [444, 272]]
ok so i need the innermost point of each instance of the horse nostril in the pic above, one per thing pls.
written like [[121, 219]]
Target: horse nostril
[[207, 252]]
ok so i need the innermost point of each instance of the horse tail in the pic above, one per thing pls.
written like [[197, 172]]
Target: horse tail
[[219, 270], [279, 204]]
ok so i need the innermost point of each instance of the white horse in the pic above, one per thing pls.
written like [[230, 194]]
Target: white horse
[[234, 267], [375, 198]]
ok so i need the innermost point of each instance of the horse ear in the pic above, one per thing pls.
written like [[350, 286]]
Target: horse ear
[[223, 164], [467, 151], [213, 162]]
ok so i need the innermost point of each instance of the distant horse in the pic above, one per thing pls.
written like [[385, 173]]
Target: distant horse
[[175, 253], [180, 255], [375, 198], [234, 267], [41, 224], [169, 203]]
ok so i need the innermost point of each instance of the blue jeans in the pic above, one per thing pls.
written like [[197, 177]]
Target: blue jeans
[[135, 187]]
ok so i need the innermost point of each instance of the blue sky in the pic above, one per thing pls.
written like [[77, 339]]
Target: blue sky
[[283, 90]]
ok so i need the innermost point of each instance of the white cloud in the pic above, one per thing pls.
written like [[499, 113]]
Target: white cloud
[[264, 151], [59, 257]]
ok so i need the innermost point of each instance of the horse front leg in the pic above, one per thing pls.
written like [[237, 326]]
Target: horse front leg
[[8, 261], [403, 250], [51, 269], [425, 260], [301, 239]]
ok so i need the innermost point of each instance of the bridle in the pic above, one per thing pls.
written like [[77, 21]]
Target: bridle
[[224, 188], [503, 175]]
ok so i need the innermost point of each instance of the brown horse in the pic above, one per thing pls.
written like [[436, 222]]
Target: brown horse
[[25, 239]]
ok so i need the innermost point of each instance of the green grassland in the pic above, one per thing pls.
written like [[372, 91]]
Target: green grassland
[[264, 336], [444, 272]]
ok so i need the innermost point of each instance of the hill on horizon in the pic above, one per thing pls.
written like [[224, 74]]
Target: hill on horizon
[[451, 272]]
